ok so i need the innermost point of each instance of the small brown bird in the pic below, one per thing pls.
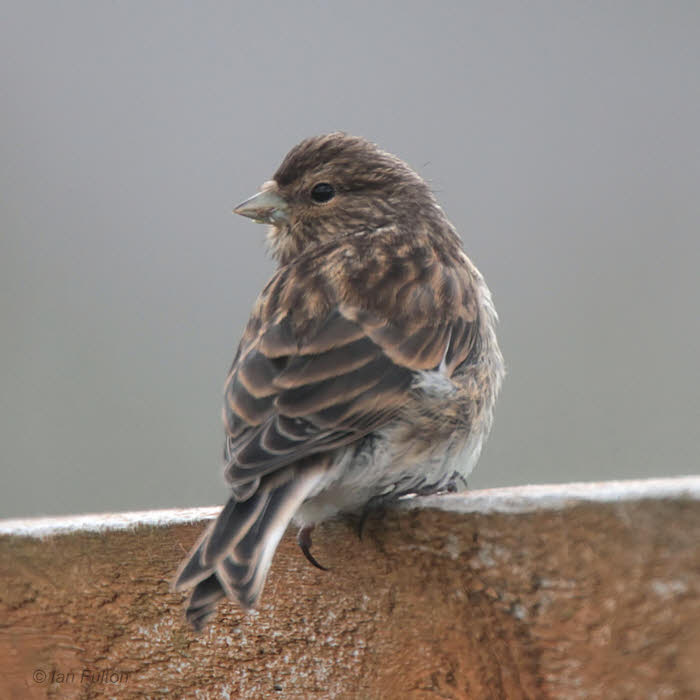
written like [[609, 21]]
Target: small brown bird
[[368, 369]]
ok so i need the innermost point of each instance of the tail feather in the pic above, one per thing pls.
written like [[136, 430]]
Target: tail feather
[[233, 556], [192, 571], [235, 520], [203, 600]]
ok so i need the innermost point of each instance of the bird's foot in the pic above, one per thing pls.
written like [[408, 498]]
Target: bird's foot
[[456, 484], [304, 540], [375, 505]]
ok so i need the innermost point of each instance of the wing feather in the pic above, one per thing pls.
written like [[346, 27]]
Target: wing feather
[[314, 373]]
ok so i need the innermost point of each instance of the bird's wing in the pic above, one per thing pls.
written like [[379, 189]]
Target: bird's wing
[[328, 356]]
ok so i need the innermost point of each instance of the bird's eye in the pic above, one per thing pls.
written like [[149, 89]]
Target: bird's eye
[[322, 192]]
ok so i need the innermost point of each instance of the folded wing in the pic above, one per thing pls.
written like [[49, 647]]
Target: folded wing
[[298, 388]]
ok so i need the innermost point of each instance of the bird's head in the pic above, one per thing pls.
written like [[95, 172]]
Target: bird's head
[[333, 185]]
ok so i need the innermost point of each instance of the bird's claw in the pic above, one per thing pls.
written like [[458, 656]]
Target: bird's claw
[[304, 541]]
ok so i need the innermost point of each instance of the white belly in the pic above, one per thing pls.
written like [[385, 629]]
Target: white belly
[[384, 468]]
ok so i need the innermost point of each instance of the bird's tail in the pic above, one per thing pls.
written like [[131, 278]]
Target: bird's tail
[[234, 554]]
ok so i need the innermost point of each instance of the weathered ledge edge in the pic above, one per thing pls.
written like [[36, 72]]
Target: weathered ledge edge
[[512, 500]]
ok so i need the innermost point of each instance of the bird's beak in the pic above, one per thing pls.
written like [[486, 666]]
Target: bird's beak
[[266, 207]]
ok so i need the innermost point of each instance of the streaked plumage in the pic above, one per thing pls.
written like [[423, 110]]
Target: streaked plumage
[[368, 369]]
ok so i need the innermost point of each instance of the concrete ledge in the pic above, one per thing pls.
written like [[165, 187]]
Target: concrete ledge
[[516, 499], [527, 499], [568, 591]]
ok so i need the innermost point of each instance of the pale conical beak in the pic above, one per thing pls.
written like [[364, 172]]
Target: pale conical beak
[[266, 207]]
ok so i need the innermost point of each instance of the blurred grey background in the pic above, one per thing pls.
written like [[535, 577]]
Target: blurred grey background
[[561, 138]]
